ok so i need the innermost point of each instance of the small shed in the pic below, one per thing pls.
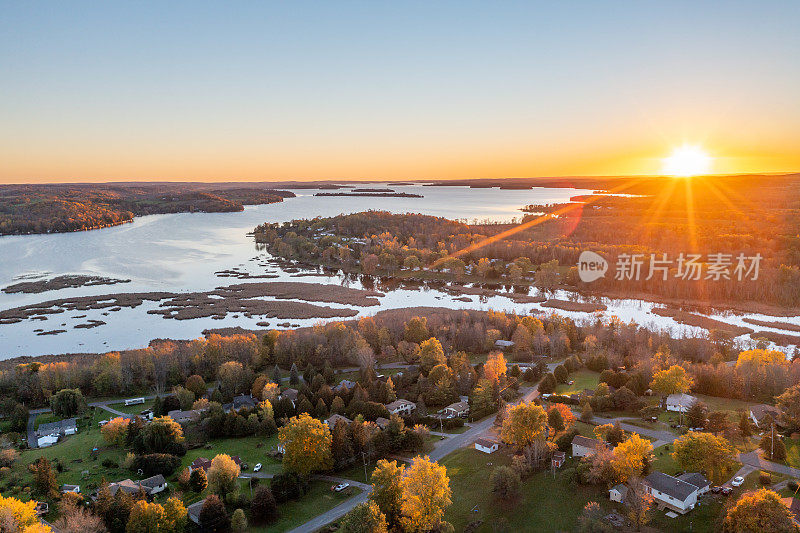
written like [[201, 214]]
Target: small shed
[[617, 493], [558, 459], [486, 445]]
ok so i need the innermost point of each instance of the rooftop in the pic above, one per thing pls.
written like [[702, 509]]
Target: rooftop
[[670, 486]]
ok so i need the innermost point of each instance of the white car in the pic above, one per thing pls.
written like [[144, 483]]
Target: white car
[[340, 487], [257, 467], [737, 481]]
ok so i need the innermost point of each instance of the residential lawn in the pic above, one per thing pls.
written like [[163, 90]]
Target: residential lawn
[[587, 430], [702, 518], [131, 409], [583, 379], [74, 455], [730, 405], [664, 462], [318, 500], [247, 448], [792, 452], [546, 503], [45, 418]]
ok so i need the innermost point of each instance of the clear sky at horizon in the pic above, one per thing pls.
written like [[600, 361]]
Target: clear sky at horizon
[[109, 91]]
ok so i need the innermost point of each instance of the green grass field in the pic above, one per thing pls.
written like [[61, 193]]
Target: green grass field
[[546, 503], [319, 499], [247, 448], [583, 379], [131, 409]]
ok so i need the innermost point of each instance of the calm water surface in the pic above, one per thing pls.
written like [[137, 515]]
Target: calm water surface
[[181, 253]]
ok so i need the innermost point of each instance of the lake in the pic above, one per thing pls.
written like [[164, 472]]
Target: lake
[[182, 252]]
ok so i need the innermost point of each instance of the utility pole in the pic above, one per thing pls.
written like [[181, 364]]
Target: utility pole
[[364, 459], [772, 443]]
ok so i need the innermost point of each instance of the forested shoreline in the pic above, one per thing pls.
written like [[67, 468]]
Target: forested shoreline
[[26, 209], [732, 218]]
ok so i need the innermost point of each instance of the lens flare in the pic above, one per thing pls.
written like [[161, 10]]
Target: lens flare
[[686, 161]]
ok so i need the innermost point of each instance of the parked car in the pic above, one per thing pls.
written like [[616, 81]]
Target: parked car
[[257, 468], [244, 466], [726, 491], [340, 487], [716, 489], [737, 481]]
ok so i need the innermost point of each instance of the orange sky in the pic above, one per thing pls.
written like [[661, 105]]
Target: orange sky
[[279, 92]]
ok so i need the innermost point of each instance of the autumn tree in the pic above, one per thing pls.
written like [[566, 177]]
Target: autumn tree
[[505, 483], [524, 424], [632, 457], [495, 367], [564, 414], [761, 511], [307, 445], [222, 475], [416, 330], [77, 519], [175, 516], [198, 480], [387, 491], [197, 385], [213, 515], [145, 517], [364, 518], [671, 381], [639, 501], [115, 431], [548, 384], [67, 402], [431, 354], [704, 452], [789, 405], [239, 521], [232, 378], [774, 451], [425, 495], [162, 435], [19, 517], [44, 479], [263, 508]]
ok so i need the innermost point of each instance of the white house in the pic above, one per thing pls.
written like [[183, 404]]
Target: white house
[[486, 445], [617, 493], [680, 402], [583, 446], [456, 410], [70, 488], [401, 407], [47, 440], [500, 343], [671, 492]]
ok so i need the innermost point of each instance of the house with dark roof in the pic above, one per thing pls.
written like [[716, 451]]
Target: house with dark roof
[[149, 486], [194, 509], [345, 384], [243, 400], [334, 419], [671, 493], [290, 394], [68, 426], [382, 422], [583, 446], [698, 480], [185, 417], [761, 415]]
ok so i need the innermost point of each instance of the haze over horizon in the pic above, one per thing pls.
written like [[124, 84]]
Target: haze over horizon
[[358, 91]]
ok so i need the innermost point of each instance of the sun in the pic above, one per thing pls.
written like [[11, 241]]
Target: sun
[[685, 161]]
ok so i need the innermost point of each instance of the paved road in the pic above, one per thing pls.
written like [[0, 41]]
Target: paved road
[[662, 436], [755, 460]]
